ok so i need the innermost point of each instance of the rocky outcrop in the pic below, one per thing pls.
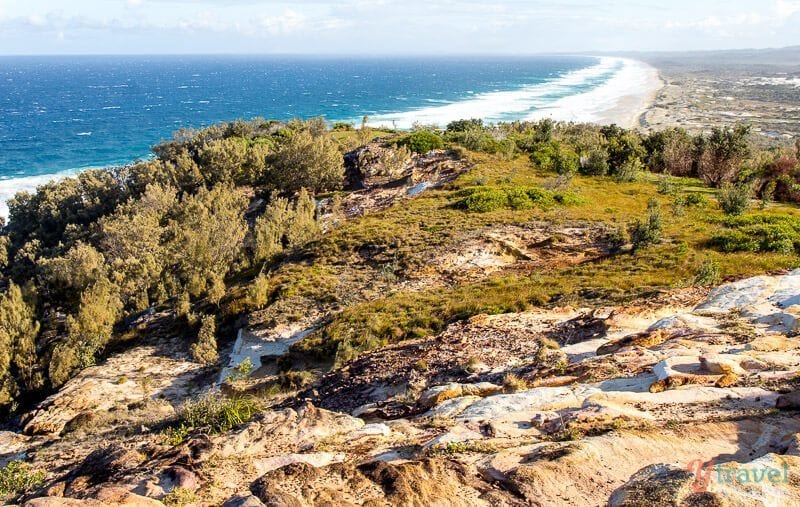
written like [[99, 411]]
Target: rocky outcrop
[[138, 375]]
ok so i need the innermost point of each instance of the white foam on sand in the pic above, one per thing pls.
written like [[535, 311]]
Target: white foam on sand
[[621, 98], [10, 186]]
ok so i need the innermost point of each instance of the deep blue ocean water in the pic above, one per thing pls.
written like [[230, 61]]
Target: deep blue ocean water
[[63, 113]]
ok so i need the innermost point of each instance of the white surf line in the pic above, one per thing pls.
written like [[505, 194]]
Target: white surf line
[[9, 187], [494, 106], [619, 100]]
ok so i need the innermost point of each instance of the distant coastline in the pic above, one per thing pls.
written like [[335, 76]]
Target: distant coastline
[[608, 90]]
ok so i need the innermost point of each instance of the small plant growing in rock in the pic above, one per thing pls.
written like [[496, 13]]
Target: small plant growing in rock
[[421, 366], [18, 477], [179, 497], [473, 365], [513, 384], [242, 371]]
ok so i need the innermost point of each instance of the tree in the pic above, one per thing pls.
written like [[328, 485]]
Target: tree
[[18, 332], [308, 162], [133, 239], [90, 330], [270, 228], [721, 154], [303, 227], [204, 350], [207, 231], [622, 145], [671, 151], [69, 275], [285, 225]]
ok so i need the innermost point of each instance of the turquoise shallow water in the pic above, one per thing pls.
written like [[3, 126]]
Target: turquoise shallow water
[[64, 113]]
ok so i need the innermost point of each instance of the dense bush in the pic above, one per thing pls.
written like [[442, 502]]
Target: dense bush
[[422, 141], [306, 161], [721, 154]]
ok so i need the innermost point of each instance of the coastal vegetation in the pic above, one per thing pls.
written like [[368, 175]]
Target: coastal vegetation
[[224, 221]]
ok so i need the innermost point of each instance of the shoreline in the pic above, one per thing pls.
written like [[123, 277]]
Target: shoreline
[[631, 92], [631, 108]]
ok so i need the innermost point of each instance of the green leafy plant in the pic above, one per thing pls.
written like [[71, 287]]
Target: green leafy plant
[[17, 477]]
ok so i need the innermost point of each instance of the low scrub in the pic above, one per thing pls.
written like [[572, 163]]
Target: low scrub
[[18, 477], [485, 199], [759, 233], [422, 141]]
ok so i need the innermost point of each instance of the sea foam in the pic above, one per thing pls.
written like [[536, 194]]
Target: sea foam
[[581, 95]]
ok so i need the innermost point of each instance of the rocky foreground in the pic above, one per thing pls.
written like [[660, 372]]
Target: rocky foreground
[[616, 406], [685, 397]]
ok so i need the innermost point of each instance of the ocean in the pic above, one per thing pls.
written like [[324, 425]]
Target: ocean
[[62, 114]]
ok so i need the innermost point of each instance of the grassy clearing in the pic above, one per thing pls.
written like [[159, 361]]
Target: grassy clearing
[[410, 234]]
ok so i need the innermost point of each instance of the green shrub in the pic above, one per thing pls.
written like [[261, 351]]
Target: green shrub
[[595, 163], [216, 413], [707, 274], [422, 141], [647, 231], [17, 477], [565, 162], [204, 350], [179, 497], [485, 199], [734, 199], [465, 125], [759, 233], [629, 171], [695, 200]]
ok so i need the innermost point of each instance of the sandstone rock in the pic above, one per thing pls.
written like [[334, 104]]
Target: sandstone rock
[[789, 401], [116, 382], [533, 400], [659, 484], [451, 408], [438, 394], [719, 364], [244, 501], [104, 464], [123, 497], [285, 431], [457, 433], [316, 460], [104, 497]]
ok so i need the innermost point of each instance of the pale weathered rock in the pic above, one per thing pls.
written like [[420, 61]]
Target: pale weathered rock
[[244, 501], [457, 433], [286, 431], [438, 394], [126, 378], [316, 460], [655, 485]]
